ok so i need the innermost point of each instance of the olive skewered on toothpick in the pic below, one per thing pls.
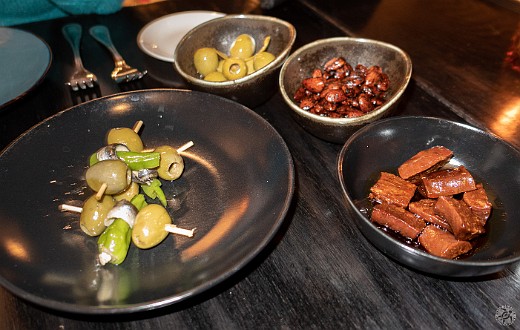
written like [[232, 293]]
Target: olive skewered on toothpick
[[118, 213], [107, 215], [171, 228], [126, 137]]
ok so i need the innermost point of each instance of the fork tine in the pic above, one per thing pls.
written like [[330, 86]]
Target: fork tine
[[81, 78], [72, 85], [133, 76], [122, 71]]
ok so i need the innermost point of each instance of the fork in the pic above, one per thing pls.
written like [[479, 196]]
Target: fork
[[81, 78], [122, 71]]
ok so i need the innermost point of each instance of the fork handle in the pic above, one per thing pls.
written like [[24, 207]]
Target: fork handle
[[102, 35], [72, 33]]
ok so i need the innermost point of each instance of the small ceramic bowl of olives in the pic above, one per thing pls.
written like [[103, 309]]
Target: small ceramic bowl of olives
[[359, 81], [235, 56]]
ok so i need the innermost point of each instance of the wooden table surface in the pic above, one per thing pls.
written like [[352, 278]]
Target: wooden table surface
[[319, 272]]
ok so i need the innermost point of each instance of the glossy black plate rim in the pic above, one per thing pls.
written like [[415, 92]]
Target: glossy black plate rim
[[171, 300]]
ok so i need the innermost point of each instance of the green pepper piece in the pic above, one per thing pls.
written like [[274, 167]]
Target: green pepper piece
[[154, 190], [140, 160], [115, 241], [138, 201], [134, 160]]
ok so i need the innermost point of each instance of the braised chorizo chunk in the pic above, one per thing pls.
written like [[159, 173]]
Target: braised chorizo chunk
[[392, 189], [398, 219], [449, 211], [442, 243], [425, 208], [478, 202], [464, 224], [425, 160], [447, 182]]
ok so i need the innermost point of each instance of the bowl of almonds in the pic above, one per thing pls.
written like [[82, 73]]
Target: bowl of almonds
[[337, 85]]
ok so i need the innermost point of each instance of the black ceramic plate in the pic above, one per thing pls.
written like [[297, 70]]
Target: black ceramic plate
[[386, 144], [236, 189]]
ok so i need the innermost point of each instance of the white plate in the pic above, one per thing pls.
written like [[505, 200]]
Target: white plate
[[160, 37], [24, 61]]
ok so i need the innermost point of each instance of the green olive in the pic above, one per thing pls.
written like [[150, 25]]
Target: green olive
[[267, 40], [129, 193], [234, 68], [149, 224], [92, 218], [250, 66], [220, 64], [215, 76], [262, 59], [171, 164], [205, 60], [243, 47], [114, 173], [126, 136]]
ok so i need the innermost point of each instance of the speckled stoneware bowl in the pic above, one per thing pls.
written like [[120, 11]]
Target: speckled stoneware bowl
[[253, 89], [300, 65]]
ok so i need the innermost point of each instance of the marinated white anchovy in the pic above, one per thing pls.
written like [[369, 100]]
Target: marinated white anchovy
[[110, 151], [144, 176], [122, 210]]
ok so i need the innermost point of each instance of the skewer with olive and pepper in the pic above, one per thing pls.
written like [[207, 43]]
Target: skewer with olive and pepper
[[119, 213], [214, 65]]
